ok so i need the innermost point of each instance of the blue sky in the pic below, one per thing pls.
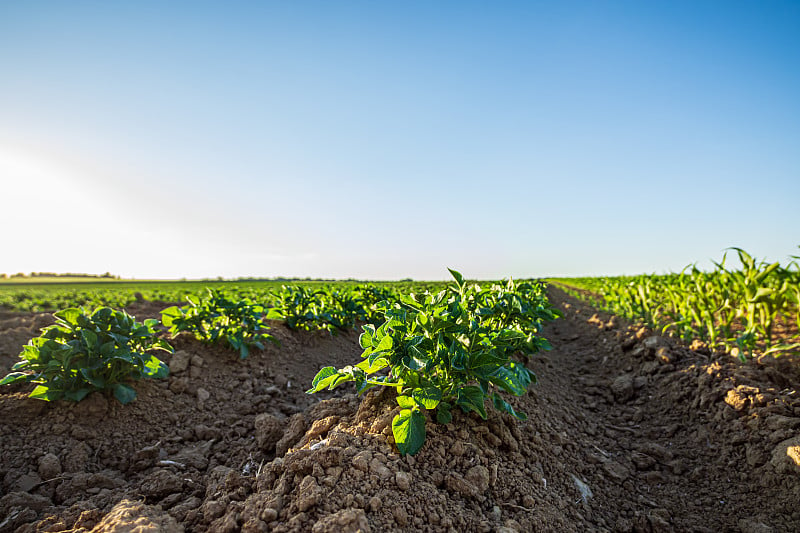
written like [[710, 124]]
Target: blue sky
[[387, 140]]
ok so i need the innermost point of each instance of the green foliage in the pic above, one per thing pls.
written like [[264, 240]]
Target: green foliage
[[302, 308], [449, 349], [727, 308], [331, 308], [49, 296], [216, 317], [83, 352]]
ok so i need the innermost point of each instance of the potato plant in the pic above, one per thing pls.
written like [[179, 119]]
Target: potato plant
[[331, 308], [238, 322], [81, 353], [446, 350]]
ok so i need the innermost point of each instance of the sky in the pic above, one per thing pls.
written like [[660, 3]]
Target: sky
[[386, 140]]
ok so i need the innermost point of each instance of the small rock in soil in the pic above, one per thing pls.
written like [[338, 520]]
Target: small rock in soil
[[269, 430], [23, 500], [161, 483], [345, 521], [623, 388], [49, 466], [616, 471], [456, 483], [294, 430], [751, 525], [479, 477], [179, 362], [786, 456], [128, 516], [203, 395], [309, 494], [403, 480]]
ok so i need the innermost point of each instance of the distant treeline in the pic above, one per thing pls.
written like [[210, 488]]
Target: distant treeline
[[107, 275]]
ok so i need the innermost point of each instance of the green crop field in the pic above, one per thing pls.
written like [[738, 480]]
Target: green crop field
[[51, 294], [753, 308]]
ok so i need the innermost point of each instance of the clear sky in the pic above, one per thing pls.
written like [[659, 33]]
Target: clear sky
[[385, 140]]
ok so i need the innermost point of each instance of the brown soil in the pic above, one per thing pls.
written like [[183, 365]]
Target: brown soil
[[626, 432]]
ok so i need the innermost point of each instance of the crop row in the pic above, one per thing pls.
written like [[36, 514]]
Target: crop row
[[30, 297], [440, 350], [754, 308]]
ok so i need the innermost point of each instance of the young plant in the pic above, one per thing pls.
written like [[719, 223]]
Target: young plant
[[238, 322], [301, 308], [443, 351], [83, 352]]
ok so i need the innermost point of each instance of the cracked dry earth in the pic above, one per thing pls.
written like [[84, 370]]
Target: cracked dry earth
[[627, 431]]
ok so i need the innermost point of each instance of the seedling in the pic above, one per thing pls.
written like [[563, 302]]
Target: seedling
[[216, 317], [81, 353]]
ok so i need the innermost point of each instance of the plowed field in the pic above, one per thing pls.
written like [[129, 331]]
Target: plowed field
[[627, 431]]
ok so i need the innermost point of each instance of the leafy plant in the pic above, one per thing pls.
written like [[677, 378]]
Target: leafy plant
[[329, 308], [83, 352], [301, 308], [238, 322], [446, 350]]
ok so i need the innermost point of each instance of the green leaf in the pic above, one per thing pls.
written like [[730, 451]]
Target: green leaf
[[428, 397], [169, 315], [484, 363], [243, 351], [89, 337], [95, 381], [408, 429], [43, 392], [370, 366], [385, 344], [323, 379], [502, 405], [365, 339], [21, 365], [70, 315], [457, 276], [513, 378], [124, 393], [471, 398], [274, 314], [762, 295], [443, 414], [155, 368], [410, 300], [406, 402], [161, 344], [14, 377]]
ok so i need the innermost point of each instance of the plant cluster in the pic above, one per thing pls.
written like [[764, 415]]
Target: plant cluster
[[449, 349], [236, 321], [83, 352], [330, 308], [727, 308]]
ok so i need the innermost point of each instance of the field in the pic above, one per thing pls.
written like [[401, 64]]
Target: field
[[634, 424]]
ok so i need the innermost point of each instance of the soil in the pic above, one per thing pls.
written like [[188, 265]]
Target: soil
[[627, 431]]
